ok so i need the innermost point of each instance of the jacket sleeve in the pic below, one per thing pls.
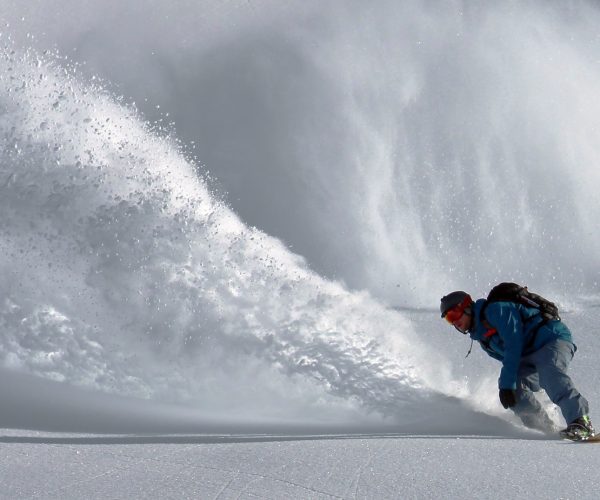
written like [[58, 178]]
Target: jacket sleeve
[[505, 318]]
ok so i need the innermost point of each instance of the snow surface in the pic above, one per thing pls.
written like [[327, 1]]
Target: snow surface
[[244, 303], [42, 465], [168, 452]]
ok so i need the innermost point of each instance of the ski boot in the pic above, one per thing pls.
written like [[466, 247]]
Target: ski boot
[[580, 429]]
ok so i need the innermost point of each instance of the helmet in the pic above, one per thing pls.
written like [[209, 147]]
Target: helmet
[[454, 299]]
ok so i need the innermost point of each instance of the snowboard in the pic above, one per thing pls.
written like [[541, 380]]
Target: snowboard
[[595, 439]]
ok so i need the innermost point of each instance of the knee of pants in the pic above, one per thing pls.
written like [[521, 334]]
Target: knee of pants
[[530, 383], [526, 402]]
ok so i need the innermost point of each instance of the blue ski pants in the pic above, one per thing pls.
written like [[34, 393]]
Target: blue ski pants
[[546, 369]]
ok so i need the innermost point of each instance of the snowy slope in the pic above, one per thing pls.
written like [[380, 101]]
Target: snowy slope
[[237, 460], [342, 467]]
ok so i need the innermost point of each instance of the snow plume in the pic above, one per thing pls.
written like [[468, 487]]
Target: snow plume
[[430, 145], [406, 148], [401, 148], [122, 272]]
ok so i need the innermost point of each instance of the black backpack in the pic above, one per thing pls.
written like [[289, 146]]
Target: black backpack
[[512, 292]]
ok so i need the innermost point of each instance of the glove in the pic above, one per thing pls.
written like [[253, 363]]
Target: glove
[[508, 397]]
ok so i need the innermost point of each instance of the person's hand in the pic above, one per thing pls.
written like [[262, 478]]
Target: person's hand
[[508, 397]]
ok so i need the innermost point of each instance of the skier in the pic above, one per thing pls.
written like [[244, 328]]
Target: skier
[[535, 355]]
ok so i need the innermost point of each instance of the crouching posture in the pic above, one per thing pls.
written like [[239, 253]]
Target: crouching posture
[[535, 353]]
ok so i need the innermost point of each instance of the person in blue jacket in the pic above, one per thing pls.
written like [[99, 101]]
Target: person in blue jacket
[[535, 354]]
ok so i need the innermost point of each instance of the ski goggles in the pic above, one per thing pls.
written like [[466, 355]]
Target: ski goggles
[[454, 314]]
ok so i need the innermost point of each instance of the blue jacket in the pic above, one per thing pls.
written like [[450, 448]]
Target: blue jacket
[[515, 335]]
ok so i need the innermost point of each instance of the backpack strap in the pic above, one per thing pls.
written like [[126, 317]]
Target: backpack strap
[[492, 331], [482, 318]]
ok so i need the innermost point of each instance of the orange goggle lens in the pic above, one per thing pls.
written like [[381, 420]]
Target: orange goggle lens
[[454, 314]]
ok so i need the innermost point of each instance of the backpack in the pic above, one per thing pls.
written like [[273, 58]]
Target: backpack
[[512, 292]]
